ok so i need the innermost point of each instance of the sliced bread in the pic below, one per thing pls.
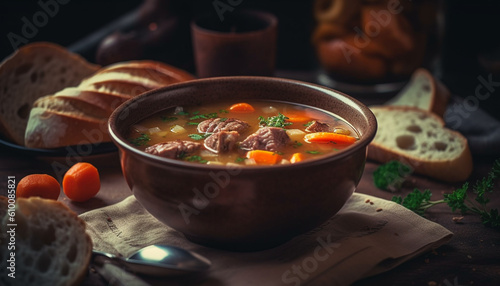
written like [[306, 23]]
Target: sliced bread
[[419, 139], [33, 71], [51, 245], [423, 91], [78, 115]]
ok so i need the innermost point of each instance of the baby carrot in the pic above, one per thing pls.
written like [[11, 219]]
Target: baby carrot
[[327, 137], [262, 157], [242, 107], [297, 157], [81, 182], [38, 185]]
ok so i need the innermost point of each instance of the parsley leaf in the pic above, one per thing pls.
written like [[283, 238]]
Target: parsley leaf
[[199, 136], [240, 159], [419, 202], [274, 121], [142, 140], [297, 144], [308, 124], [168, 118], [203, 116], [192, 123], [391, 176], [314, 152], [196, 158]]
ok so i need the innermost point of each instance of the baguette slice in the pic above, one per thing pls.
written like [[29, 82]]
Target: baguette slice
[[52, 247], [419, 139], [76, 116], [33, 71], [424, 91]]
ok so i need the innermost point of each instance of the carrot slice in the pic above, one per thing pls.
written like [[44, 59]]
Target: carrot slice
[[81, 182], [327, 137], [242, 107], [297, 117], [38, 185], [262, 157], [297, 157]]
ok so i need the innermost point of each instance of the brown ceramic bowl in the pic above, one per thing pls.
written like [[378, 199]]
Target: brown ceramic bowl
[[245, 208]]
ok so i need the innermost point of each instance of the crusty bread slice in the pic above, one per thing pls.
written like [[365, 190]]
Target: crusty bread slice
[[418, 138], [72, 115], [33, 71], [423, 91], [52, 247], [53, 128]]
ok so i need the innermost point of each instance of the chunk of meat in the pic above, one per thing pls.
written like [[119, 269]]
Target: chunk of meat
[[214, 125], [317, 126], [266, 138], [221, 142], [173, 149]]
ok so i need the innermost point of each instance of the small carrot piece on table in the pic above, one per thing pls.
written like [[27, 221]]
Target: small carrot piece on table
[[262, 157], [38, 185], [327, 137], [241, 108], [81, 182], [297, 157]]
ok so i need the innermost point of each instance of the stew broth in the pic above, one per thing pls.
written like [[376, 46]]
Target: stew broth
[[181, 124]]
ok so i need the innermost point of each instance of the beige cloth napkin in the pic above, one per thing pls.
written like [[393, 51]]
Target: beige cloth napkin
[[368, 236]]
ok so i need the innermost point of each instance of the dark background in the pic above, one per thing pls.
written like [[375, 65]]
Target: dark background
[[470, 42]]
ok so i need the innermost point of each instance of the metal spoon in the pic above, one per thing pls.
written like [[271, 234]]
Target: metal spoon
[[161, 260]]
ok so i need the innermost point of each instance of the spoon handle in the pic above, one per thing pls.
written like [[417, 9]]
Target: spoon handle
[[117, 276]]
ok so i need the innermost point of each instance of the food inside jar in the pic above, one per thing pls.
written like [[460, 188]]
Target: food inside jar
[[257, 132]]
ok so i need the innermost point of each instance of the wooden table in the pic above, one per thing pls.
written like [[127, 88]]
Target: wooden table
[[472, 257]]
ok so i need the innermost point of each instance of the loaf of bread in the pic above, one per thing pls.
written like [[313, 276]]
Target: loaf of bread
[[33, 71], [51, 245], [424, 91], [79, 115], [419, 139]]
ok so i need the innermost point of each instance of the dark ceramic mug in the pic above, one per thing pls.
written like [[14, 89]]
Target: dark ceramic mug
[[243, 43]]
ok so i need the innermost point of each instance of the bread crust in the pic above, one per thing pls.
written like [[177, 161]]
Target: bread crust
[[54, 129], [25, 76], [58, 232], [438, 94], [67, 117], [454, 169]]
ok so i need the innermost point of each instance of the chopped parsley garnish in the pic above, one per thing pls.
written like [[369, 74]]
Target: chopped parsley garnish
[[204, 116], [313, 152], [308, 124], [192, 123], [196, 158], [199, 136], [182, 113], [297, 144], [223, 111], [142, 140], [274, 121], [168, 118], [240, 159], [222, 119]]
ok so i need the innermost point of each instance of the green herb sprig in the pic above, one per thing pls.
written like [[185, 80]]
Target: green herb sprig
[[142, 140], [274, 121], [391, 176], [419, 202]]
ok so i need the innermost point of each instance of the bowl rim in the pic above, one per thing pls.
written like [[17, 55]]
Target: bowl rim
[[123, 144]]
